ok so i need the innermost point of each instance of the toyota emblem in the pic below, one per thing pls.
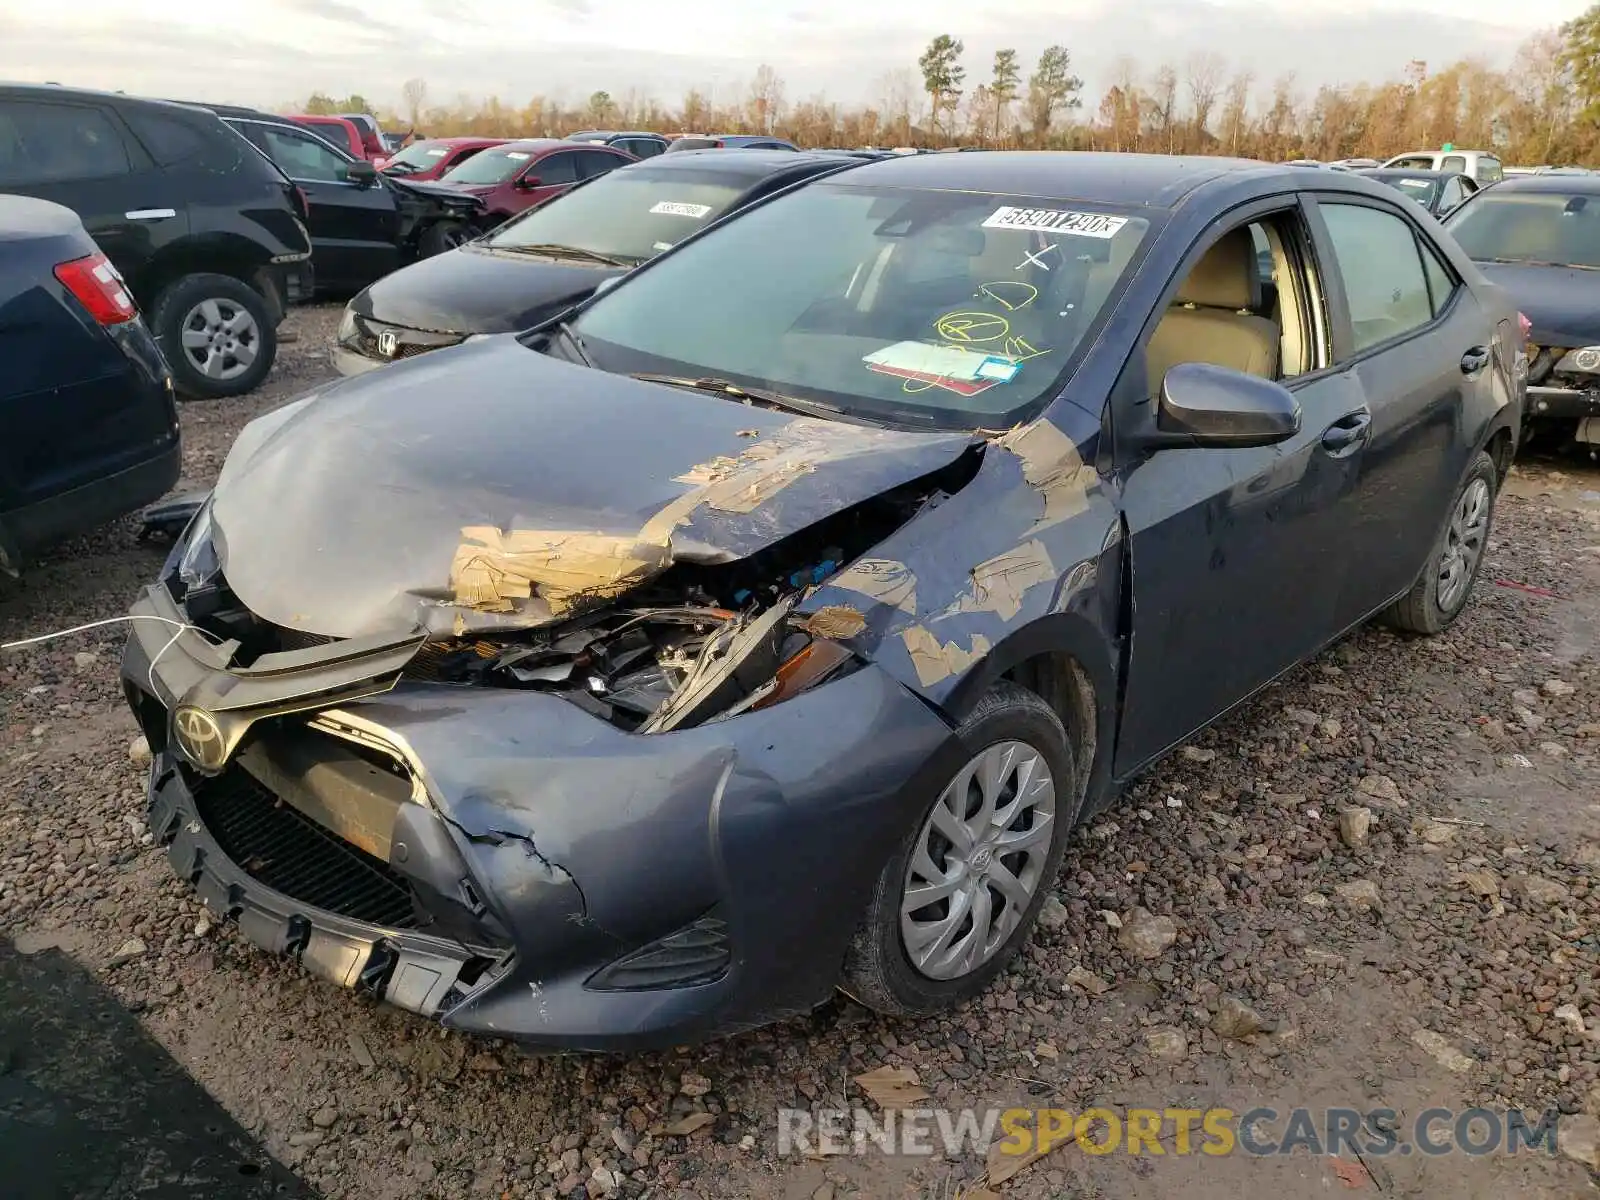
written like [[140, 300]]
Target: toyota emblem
[[388, 343], [200, 738]]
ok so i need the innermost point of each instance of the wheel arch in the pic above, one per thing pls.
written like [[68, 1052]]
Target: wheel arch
[[1067, 661], [215, 254]]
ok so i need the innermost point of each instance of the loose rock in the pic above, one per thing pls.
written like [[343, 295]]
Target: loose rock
[[1443, 1052], [1236, 1019], [1355, 825], [129, 950], [1168, 1043], [1052, 913], [1359, 893], [1145, 935], [1578, 1137]]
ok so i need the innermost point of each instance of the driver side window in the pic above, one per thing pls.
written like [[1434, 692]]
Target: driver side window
[[303, 157], [1249, 303]]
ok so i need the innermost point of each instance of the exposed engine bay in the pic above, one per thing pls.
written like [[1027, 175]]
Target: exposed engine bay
[[696, 643]]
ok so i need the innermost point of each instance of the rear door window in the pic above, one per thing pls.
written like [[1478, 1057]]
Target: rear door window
[[1490, 170], [598, 162], [58, 143], [1453, 162], [1384, 280], [555, 169]]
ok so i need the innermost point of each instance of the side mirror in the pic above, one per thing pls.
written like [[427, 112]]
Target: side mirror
[[361, 173], [527, 183], [1206, 405]]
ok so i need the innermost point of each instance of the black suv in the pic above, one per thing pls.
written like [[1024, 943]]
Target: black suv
[[208, 233], [363, 224]]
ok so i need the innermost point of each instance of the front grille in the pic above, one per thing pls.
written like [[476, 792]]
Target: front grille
[[409, 342], [280, 847], [295, 639]]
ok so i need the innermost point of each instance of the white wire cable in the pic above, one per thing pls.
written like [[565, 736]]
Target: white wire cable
[[180, 626]]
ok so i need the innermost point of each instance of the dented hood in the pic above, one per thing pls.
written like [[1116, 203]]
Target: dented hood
[[489, 486]]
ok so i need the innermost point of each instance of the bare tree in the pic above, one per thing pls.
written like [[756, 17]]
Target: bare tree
[[415, 94], [1235, 111], [766, 99], [1205, 78], [1164, 107], [900, 93]]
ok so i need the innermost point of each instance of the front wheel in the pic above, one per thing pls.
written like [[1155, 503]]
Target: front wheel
[[1445, 585], [442, 236], [956, 901], [217, 334]]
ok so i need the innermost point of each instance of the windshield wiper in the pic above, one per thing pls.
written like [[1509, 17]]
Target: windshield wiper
[[727, 387], [566, 330], [557, 251], [1538, 262], [401, 168]]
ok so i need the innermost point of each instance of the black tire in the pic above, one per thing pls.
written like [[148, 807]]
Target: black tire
[[1420, 610], [442, 236], [878, 972], [175, 308]]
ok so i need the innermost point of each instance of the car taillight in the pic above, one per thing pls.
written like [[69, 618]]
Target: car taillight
[[99, 288], [1525, 325]]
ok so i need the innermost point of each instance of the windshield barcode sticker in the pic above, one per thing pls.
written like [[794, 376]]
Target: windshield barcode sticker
[[1055, 220], [674, 209]]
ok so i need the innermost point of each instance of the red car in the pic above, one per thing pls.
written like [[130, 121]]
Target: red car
[[518, 175], [436, 157], [356, 139]]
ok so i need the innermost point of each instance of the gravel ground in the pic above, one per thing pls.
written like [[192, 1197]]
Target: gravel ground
[[1389, 859]]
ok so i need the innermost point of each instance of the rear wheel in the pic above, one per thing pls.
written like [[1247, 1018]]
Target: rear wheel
[[958, 898], [217, 333], [1445, 585]]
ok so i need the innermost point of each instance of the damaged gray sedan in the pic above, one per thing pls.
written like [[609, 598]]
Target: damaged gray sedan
[[766, 626]]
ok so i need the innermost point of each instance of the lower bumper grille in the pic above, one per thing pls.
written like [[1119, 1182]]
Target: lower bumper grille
[[285, 850]]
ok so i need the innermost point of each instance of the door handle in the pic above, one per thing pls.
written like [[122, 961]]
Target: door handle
[[1347, 433], [150, 214], [1475, 360]]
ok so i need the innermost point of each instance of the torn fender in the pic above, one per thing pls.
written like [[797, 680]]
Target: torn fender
[[561, 482], [1023, 541]]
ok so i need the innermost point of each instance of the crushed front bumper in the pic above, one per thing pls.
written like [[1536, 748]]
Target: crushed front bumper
[[540, 875]]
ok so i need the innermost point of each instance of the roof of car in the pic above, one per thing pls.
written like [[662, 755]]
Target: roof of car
[[540, 143], [47, 90], [1587, 185], [753, 164], [1404, 173], [459, 141], [1151, 180], [609, 133]]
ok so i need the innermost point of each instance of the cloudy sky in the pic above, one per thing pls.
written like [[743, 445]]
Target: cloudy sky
[[268, 51]]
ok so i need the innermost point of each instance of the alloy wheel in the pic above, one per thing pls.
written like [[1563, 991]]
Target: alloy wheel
[[1463, 543], [978, 861], [220, 338]]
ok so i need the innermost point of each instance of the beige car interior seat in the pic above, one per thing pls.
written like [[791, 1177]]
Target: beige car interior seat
[[1210, 321]]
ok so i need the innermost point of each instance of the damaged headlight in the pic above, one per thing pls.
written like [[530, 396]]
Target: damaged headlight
[[197, 564], [1583, 361]]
